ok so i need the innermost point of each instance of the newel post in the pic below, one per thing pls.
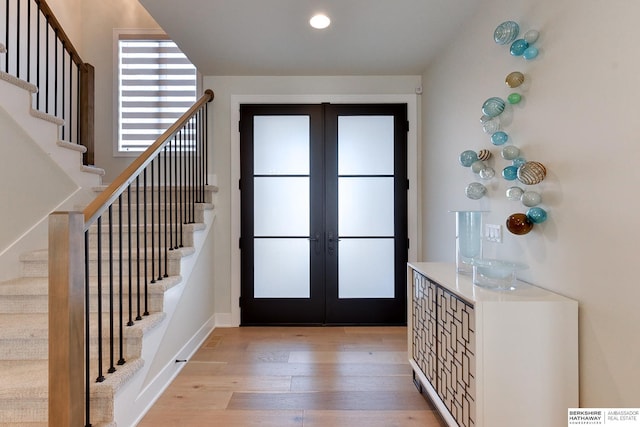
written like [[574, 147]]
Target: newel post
[[66, 319]]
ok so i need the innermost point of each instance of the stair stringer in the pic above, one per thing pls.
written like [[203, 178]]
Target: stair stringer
[[44, 130], [134, 398]]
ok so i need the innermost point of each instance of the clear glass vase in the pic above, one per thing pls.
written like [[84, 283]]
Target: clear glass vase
[[468, 239]]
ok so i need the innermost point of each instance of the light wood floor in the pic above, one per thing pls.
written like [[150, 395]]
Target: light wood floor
[[294, 376]]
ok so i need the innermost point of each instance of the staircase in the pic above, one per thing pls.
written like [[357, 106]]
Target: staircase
[[24, 299]]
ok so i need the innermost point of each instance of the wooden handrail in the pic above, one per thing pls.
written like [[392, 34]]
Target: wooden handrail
[[117, 187]]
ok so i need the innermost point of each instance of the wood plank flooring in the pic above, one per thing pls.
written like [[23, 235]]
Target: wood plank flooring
[[298, 377]]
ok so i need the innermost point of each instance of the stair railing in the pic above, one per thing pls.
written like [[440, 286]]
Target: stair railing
[[140, 215], [38, 51]]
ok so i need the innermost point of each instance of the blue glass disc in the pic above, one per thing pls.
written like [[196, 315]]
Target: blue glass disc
[[506, 32], [510, 173], [537, 215], [493, 107], [499, 138], [468, 157], [518, 47], [530, 53]]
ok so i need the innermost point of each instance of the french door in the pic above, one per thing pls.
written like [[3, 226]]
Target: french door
[[324, 221]]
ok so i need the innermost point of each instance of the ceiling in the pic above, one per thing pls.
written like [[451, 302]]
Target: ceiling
[[273, 37]]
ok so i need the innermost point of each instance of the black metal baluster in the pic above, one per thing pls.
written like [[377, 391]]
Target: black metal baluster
[[166, 208], [194, 170], [174, 186], [55, 73], [17, 38], [180, 185], [99, 274], [112, 367], [78, 114], [196, 160], [201, 158], [29, 41], [176, 205], [170, 225], [196, 125], [159, 217], [62, 104], [7, 38], [46, 62], [176, 179], [146, 258], [190, 178], [129, 258], [120, 285], [137, 255], [206, 144], [153, 228], [38, 13], [185, 153], [71, 103]]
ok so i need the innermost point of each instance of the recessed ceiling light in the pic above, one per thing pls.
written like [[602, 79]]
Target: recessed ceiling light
[[320, 21]]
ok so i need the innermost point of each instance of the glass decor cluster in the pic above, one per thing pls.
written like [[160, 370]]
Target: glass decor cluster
[[518, 168]]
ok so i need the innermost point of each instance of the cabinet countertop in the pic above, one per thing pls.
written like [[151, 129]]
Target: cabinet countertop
[[445, 275]]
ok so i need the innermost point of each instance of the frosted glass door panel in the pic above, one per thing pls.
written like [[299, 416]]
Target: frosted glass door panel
[[365, 145], [366, 268], [365, 206], [281, 145], [281, 268], [281, 206]]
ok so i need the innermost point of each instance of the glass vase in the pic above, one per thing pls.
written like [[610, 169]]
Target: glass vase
[[468, 239]]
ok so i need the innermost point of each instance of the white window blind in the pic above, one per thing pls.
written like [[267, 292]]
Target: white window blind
[[157, 85]]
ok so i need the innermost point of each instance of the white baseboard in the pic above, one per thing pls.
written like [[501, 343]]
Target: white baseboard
[[224, 320], [165, 377]]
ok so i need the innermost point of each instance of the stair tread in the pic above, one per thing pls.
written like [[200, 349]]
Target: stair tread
[[43, 254], [21, 326], [30, 378], [39, 286]]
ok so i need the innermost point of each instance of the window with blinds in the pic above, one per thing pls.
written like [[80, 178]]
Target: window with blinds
[[157, 85]]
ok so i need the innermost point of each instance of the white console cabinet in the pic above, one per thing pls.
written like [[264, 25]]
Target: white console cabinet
[[492, 358]]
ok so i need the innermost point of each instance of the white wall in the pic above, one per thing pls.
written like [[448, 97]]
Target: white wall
[[69, 14], [578, 117], [224, 159]]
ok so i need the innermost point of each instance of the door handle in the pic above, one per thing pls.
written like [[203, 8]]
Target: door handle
[[316, 239], [331, 239]]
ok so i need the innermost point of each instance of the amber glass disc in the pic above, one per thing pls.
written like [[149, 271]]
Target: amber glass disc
[[519, 224], [514, 79]]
